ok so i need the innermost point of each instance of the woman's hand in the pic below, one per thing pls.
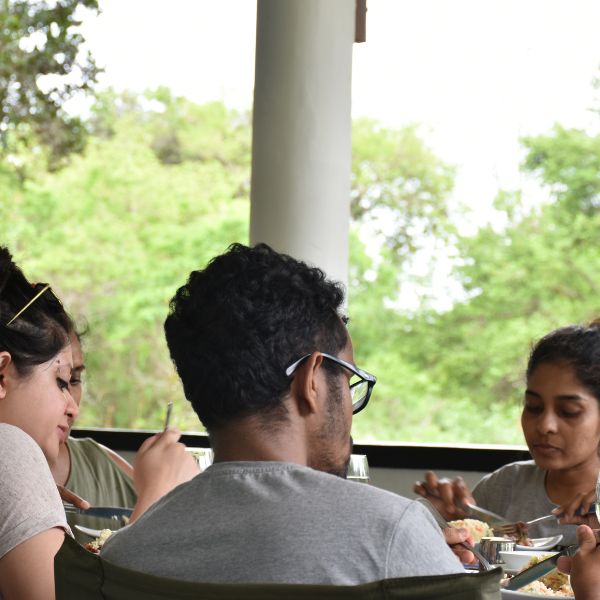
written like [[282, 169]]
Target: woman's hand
[[72, 498], [584, 567], [160, 464], [580, 503], [446, 495]]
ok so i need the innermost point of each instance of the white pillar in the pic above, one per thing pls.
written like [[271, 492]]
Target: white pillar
[[301, 144]]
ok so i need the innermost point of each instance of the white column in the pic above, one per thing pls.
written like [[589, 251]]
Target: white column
[[301, 145]]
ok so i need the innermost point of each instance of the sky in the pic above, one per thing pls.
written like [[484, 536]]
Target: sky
[[476, 74], [479, 74]]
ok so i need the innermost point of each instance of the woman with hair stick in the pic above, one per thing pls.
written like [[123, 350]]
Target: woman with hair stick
[[561, 425], [36, 408]]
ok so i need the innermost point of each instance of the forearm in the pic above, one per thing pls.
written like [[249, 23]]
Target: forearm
[[27, 571]]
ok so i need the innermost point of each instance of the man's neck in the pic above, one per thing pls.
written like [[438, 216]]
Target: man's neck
[[247, 440]]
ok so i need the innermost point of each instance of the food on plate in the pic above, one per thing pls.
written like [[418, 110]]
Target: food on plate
[[521, 536], [554, 583], [539, 588], [96, 545], [477, 529]]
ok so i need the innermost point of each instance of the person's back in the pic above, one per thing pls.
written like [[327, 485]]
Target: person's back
[[281, 523], [267, 363]]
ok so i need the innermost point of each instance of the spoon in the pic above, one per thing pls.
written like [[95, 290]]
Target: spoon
[[88, 531]]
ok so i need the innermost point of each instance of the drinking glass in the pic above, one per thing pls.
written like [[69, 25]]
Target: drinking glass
[[358, 468], [204, 456]]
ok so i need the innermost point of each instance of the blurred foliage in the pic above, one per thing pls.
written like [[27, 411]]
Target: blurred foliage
[[117, 232], [399, 188], [41, 68], [163, 186], [458, 375]]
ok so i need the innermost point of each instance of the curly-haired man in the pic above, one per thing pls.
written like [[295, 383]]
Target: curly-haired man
[[266, 361]]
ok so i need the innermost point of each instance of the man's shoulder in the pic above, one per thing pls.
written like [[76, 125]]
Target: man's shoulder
[[284, 482], [340, 491]]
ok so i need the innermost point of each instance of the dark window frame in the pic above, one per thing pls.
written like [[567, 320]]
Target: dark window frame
[[458, 457]]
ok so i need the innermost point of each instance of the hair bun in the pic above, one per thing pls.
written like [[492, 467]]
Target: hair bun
[[7, 266]]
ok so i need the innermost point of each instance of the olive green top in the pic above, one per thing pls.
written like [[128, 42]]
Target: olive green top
[[97, 479]]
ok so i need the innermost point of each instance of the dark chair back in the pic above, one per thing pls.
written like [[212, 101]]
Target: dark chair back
[[82, 575]]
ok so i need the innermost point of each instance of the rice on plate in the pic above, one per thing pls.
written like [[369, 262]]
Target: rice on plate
[[477, 529], [554, 583]]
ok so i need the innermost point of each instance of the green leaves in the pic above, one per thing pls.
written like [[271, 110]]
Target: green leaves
[[41, 68], [568, 161], [163, 186], [399, 187]]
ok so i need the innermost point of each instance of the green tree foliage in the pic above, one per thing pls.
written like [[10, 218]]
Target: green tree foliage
[[41, 68], [399, 188], [568, 162], [118, 231], [163, 186], [536, 272]]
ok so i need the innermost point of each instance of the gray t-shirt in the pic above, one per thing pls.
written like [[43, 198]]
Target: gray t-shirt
[[29, 500], [275, 522], [518, 492]]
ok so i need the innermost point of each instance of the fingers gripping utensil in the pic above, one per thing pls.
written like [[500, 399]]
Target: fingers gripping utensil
[[485, 565], [168, 416], [487, 516], [517, 527]]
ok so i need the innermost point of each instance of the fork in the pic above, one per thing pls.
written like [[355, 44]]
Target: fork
[[483, 514], [515, 528]]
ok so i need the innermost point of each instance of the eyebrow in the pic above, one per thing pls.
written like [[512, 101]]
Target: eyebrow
[[563, 397]]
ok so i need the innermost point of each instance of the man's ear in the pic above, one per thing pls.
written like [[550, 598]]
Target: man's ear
[[306, 384], [5, 361]]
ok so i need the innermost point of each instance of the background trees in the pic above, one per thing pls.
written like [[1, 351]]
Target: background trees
[[163, 186], [42, 67]]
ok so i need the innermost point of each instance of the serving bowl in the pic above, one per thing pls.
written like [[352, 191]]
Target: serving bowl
[[515, 560]]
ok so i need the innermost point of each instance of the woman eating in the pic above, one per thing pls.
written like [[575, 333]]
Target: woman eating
[[36, 410], [561, 425]]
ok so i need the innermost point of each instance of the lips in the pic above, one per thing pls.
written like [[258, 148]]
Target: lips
[[546, 449], [64, 432]]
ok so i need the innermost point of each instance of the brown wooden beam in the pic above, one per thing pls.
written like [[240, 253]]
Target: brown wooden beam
[[360, 21]]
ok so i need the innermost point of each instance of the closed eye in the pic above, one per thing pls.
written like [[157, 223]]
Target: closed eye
[[62, 384]]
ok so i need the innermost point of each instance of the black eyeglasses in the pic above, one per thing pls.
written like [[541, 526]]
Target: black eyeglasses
[[360, 389]]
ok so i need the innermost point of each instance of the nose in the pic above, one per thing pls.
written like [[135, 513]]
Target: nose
[[547, 422], [72, 409]]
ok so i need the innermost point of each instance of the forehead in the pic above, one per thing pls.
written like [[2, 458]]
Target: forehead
[[76, 351], [63, 360], [554, 375], [558, 379]]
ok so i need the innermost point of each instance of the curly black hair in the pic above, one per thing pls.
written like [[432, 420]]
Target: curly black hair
[[576, 346], [39, 332], [236, 325]]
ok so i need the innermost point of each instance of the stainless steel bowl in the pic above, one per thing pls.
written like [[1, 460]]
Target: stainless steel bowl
[[491, 547]]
